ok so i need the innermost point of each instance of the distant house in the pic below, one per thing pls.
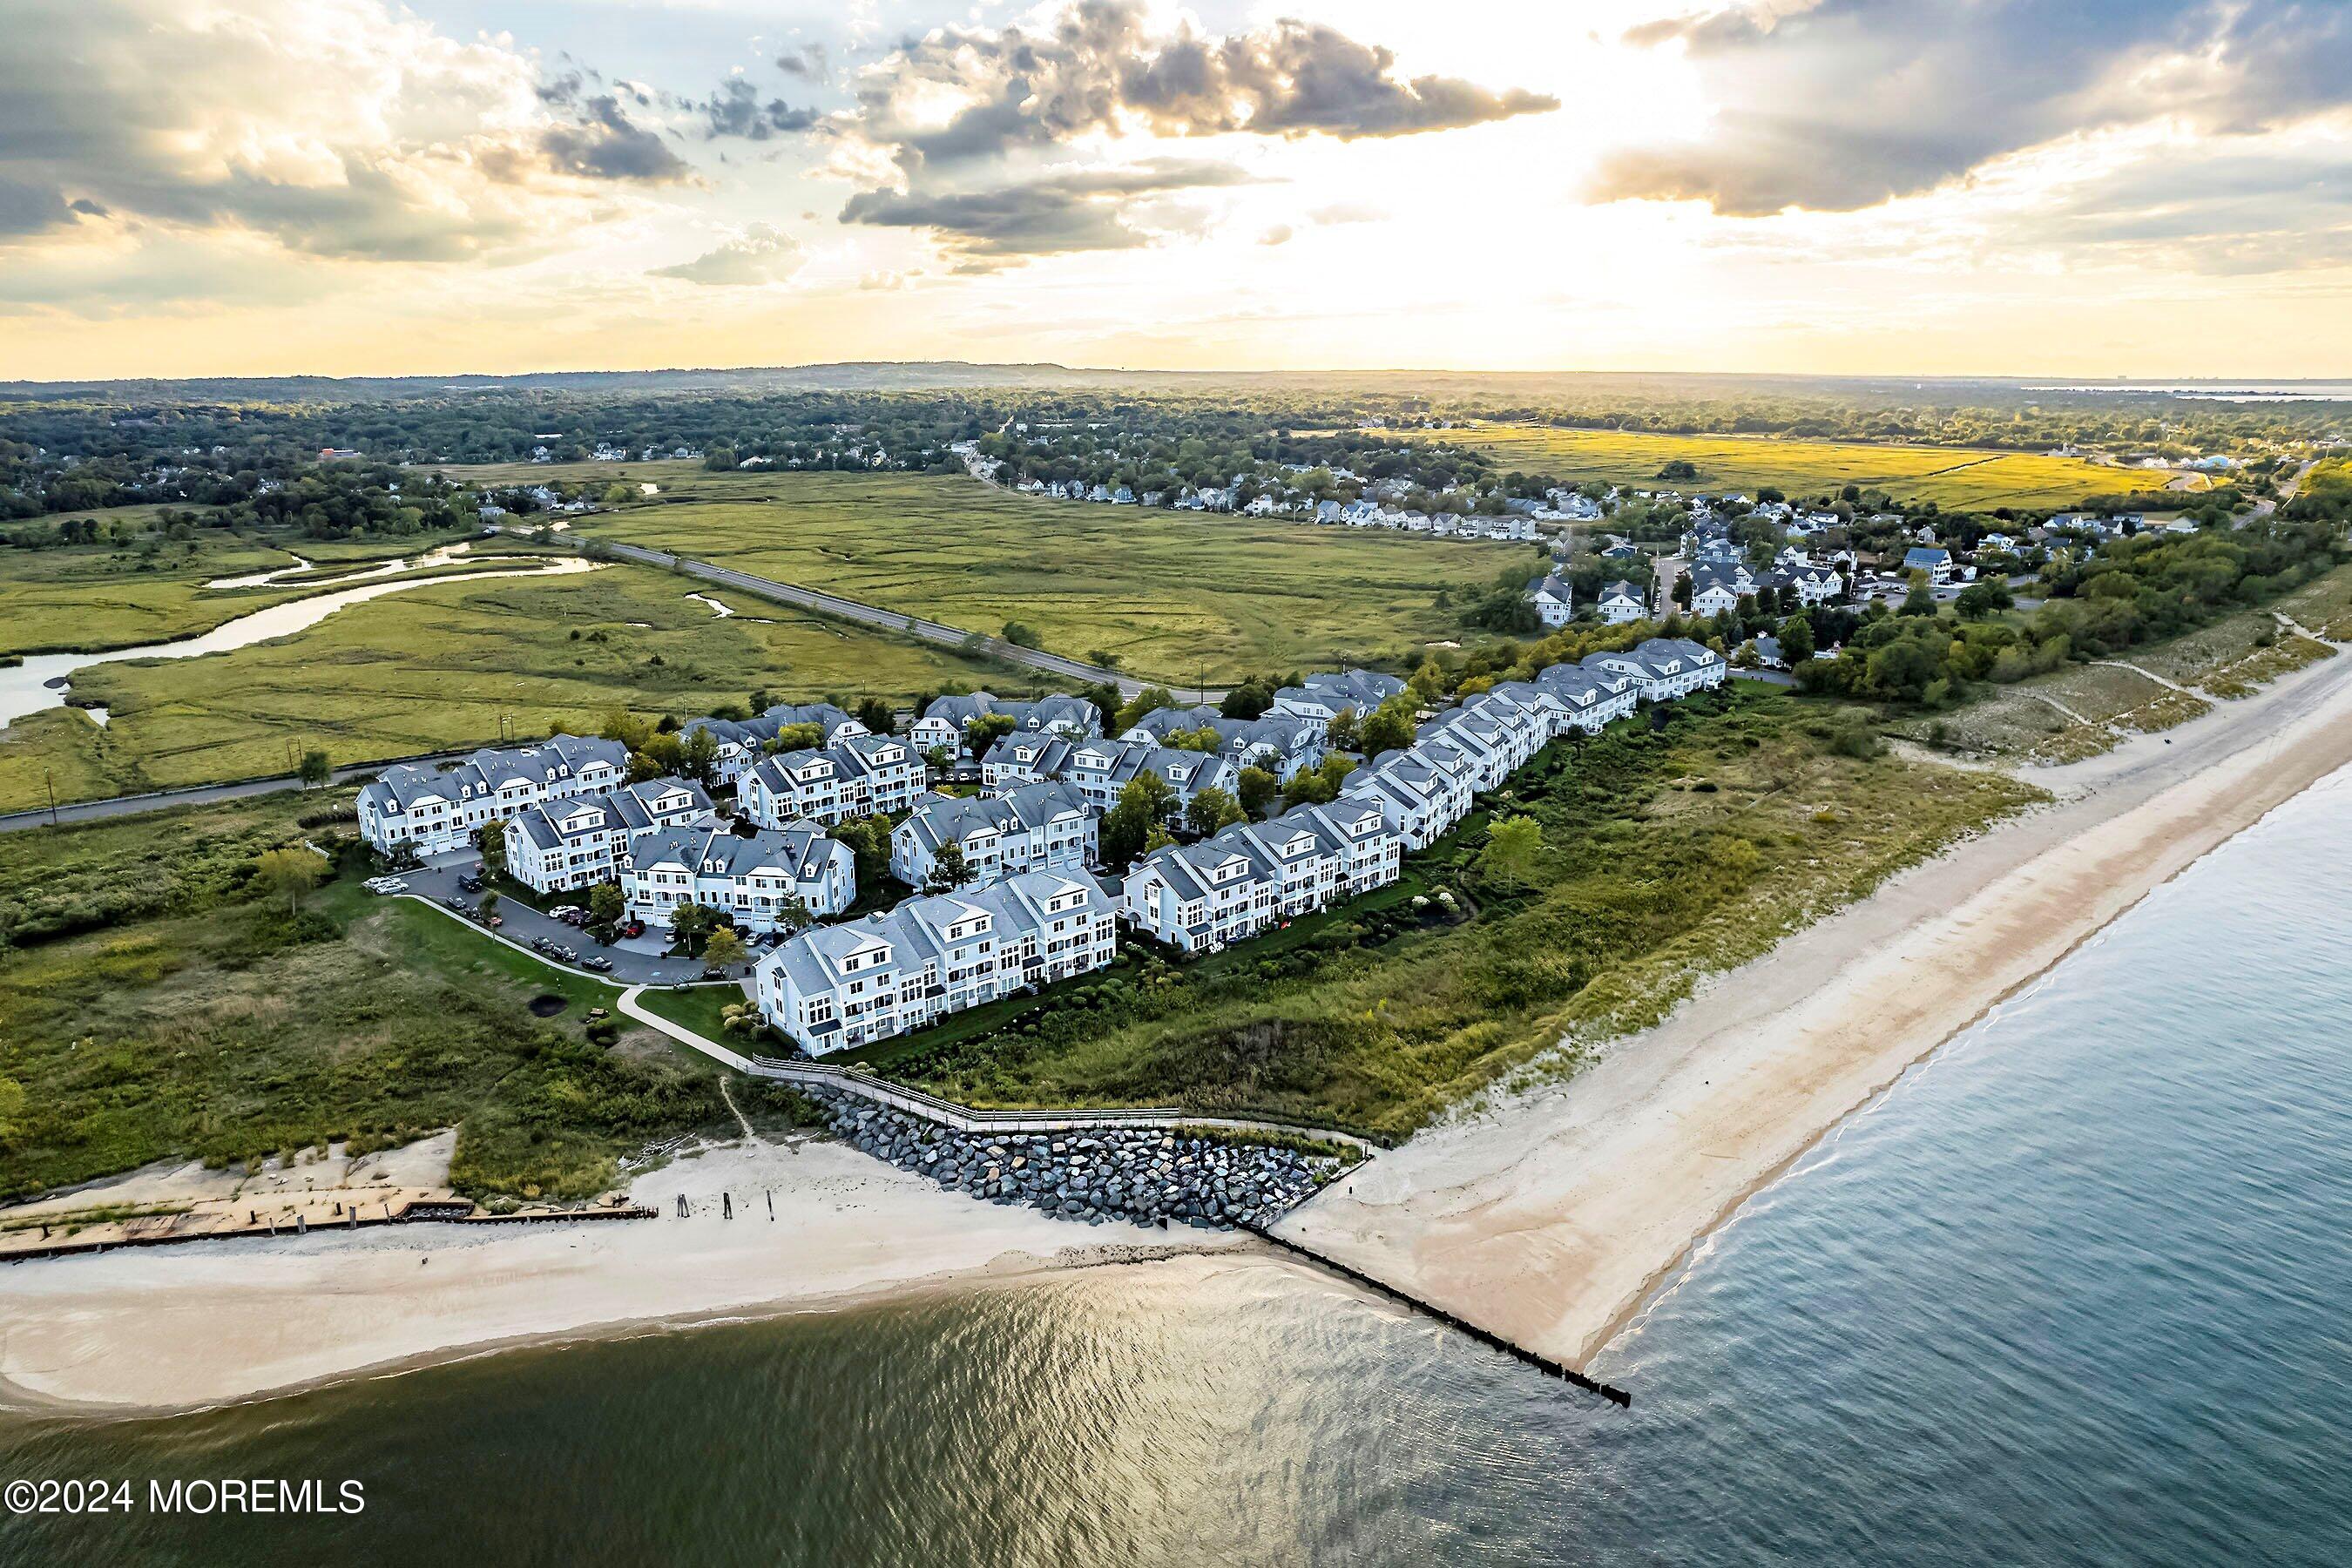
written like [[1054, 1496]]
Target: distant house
[[412, 806], [578, 842], [1622, 602], [1933, 559], [1031, 828], [1555, 602], [1320, 698], [859, 775]]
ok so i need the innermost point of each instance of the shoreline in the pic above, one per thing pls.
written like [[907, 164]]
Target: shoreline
[[1556, 1217], [148, 1331]]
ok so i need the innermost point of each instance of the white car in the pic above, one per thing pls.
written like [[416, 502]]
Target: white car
[[385, 885]]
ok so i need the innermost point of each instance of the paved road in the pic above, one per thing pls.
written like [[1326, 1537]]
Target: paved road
[[199, 795], [891, 620], [521, 924]]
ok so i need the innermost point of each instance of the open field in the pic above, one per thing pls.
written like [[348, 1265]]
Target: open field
[[1174, 595], [1956, 478], [1667, 856], [212, 1026], [448, 665]]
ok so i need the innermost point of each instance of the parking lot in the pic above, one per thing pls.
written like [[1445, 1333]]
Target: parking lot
[[439, 880]]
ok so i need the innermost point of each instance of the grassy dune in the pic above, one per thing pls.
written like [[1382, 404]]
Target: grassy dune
[[1960, 479], [1175, 596]]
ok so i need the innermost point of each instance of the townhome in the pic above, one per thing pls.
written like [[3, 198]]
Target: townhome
[[1024, 757], [858, 775], [832, 987], [1554, 601], [1101, 769], [1813, 583], [742, 741], [1933, 559], [753, 882], [1281, 744], [1319, 698], [1228, 886], [578, 842], [1666, 668], [411, 806], [1032, 828], [1593, 697], [1419, 797], [1553, 714], [942, 723]]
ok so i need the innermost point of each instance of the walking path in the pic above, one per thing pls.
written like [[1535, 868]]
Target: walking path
[[2136, 669], [858, 1081]]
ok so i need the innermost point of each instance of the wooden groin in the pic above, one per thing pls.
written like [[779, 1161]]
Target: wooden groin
[[1488, 1337], [425, 1212]]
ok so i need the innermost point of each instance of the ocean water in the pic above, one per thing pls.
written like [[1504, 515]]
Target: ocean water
[[2076, 1291]]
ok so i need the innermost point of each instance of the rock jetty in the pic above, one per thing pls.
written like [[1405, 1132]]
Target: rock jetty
[[1142, 1175]]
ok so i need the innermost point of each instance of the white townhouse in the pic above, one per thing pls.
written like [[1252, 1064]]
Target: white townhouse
[[1933, 559], [832, 987], [1813, 583], [1420, 797], [1666, 668], [413, 805], [578, 842], [742, 741], [751, 882], [942, 723], [1593, 697], [1320, 698], [1280, 743], [1622, 602], [1032, 828], [1233, 884], [1022, 758], [1101, 769], [1555, 602], [858, 775]]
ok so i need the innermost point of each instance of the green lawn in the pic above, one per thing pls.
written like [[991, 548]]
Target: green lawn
[[446, 665], [1956, 477], [1175, 596], [1667, 856]]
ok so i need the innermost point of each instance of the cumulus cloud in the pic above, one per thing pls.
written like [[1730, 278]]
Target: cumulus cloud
[[1086, 209], [735, 110], [761, 253], [806, 61], [327, 128], [957, 113], [1840, 104], [1280, 233]]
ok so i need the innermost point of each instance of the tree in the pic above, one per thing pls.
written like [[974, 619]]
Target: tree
[[688, 924], [1428, 682], [1391, 725], [793, 915], [292, 871], [724, 950], [1250, 700], [1150, 699], [795, 737], [1211, 810], [1981, 599], [951, 870], [1127, 827], [1345, 732], [877, 715], [983, 730], [494, 849], [869, 840], [1797, 639], [1204, 738], [1021, 634], [1682, 591], [605, 905], [489, 906], [316, 769], [1320, 786], [1512, 845], [1257, 788], [698, 756], [626, 727]]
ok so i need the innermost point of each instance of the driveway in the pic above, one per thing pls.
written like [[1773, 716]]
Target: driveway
[[438, 880]]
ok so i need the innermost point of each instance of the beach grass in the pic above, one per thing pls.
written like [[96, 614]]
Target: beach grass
[[1649, 880], [1956, 478]]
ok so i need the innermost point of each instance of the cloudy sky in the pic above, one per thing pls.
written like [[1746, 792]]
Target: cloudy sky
[[2076, 188]]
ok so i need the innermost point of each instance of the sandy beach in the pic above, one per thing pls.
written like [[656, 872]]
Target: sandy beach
[[1551, 1218], [169, 1328]]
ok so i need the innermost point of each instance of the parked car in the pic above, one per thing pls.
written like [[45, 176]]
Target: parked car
[[542, 944], [567, 954], [470, 882], [633, 929], [599, 962], [385, 885], [566, 912]]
